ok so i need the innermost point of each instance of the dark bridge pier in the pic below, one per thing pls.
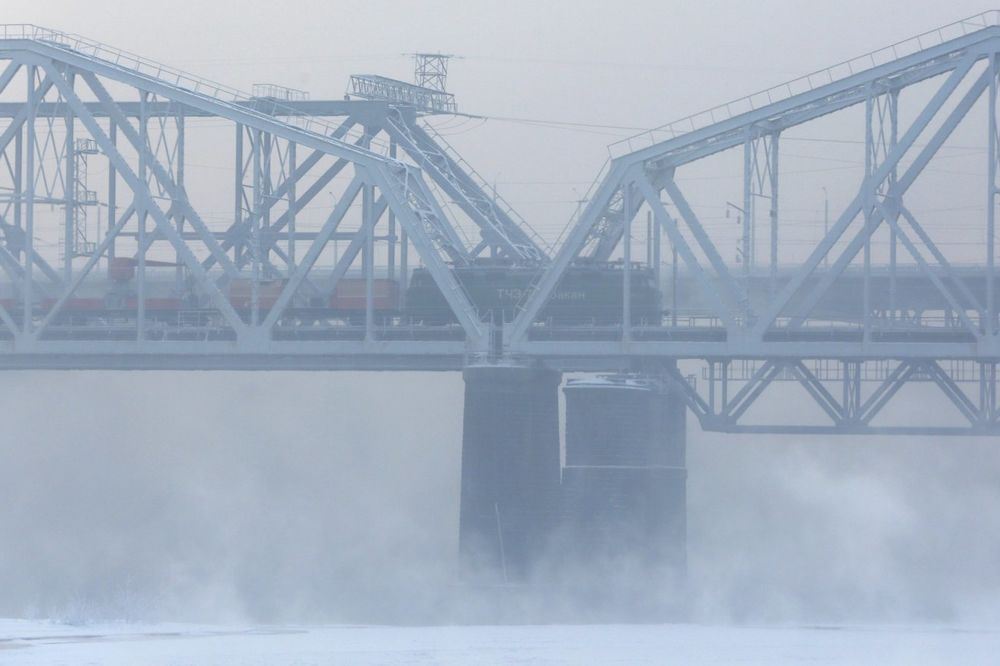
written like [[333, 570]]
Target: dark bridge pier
[[510, 469], [618, 504], [624, 484]]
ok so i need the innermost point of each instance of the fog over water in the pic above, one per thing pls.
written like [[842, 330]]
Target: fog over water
[[292, 497]]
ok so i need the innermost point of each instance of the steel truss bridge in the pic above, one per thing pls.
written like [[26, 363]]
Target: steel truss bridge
[[323, 194]]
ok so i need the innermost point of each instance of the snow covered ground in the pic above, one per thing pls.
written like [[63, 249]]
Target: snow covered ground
[[24, 642]]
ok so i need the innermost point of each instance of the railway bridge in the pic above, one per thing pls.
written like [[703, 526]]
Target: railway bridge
[[310, 251]]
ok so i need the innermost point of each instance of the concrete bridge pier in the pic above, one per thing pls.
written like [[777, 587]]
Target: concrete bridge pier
[[624, 494], [510, 469]]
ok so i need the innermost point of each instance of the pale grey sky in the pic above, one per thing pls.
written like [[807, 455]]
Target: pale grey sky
[[629, 64]]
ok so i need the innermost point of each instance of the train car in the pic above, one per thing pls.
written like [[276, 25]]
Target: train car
[[96, 302], [241, 293], [351, 293], [587, 294]]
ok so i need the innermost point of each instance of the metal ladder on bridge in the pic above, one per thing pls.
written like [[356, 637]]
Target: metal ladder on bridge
[[453, 172]]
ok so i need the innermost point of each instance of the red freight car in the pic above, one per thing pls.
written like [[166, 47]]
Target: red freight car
[[241, 293], [349, 295]]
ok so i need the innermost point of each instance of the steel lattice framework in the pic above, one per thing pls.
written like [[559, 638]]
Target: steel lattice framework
[[144, 144], [788, 326], [251, 274]]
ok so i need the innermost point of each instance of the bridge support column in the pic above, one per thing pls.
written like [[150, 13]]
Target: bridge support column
[[510, 469], [624, 487]]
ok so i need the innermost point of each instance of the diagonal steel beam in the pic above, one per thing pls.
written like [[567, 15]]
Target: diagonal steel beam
[[17, 122], [495, 225], [144, 200], [571, 248], [684, 250], [612, 235], [889, 387], [8, 74], [895, 193], [309, 162], [285, 218], [398, 187], [854, 208], [819, 393], [941, 259], [694, 401], [953, 391], [926, 268], [11, 266], [742, 401], [730, 292], [307, 196], [317, 247], [79, 277], [177, 192], [9, 322]]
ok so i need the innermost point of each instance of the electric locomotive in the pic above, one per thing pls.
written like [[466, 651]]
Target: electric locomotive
[[587, 294]]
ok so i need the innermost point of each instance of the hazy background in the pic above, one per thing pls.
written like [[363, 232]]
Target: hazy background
[[284, 496]]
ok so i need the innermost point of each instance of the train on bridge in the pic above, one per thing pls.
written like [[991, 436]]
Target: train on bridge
[[589, 294]]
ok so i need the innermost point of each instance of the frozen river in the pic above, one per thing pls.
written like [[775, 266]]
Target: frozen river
[[24, 642]]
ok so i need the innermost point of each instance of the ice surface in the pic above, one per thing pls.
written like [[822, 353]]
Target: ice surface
[[24, 642]]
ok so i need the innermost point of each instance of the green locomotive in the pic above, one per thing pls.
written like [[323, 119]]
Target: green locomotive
[[587, 294]]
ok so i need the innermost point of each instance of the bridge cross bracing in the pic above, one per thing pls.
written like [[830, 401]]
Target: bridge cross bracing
[[256, 273]]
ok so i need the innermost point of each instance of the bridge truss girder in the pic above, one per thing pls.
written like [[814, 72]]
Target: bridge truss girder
[[782, 329], [844, 396], [145, 154]]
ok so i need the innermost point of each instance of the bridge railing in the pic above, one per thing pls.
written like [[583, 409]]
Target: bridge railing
[[826, 370], [806, 83], [151, 69], [497, 200]]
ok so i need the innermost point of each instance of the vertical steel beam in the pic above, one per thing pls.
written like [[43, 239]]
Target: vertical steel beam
[[69, 191], [268, 146], [868, 212], [29, 212], [773, 213], [404, 268], [112, 191], [301, 271], [673, 284], [747, 241], [293, 180], [179, 215], [711, 387], [627, 253], [18, 176], [238, 195], [140, 292], [649, 238], [657, 250], [893, 240], [988, 391], [789, 289], [391, 243], [141, 191], [851, 403], [254, 222], [368, 258], [991, 201]]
